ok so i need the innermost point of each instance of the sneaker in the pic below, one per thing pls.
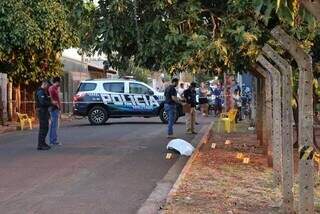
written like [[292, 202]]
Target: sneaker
[[170, 136], [44, 147], [194, 132]]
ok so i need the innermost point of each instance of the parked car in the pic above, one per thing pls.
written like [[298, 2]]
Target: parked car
[[102, 99]]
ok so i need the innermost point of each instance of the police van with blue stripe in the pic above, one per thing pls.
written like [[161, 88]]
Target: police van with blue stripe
[[102, 99]]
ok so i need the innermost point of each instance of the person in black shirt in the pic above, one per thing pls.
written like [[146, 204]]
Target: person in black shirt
[[190, 98], [170, 104], [43, 102]]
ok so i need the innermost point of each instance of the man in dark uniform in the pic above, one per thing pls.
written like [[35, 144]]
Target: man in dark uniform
[[190, 98], [43, 102], [170, 105]]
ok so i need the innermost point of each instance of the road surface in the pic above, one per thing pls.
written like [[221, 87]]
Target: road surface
[[99, 169]]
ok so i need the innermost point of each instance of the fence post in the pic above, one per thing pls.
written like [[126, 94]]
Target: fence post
[[267, 112], [287, 130], [305, 103], [276, 116]]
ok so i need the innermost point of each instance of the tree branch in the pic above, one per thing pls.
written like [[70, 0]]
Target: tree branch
[[313, 7]]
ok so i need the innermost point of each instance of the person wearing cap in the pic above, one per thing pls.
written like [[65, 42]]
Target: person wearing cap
[[42, 104], [190, 98], [170, 104], [54, 110]]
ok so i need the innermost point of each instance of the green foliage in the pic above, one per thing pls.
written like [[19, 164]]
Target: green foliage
[[138, 73], [175, 35], [32, 37], [81, 16]]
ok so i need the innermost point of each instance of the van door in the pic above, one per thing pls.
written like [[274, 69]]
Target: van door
[[145, 103], [114, 98]]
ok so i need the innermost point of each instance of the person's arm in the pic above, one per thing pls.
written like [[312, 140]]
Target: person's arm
[[59, 101], [52, 94], [174, 96]]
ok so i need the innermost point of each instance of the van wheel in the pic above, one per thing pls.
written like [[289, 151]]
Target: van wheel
[[98, 115], [164, 117]]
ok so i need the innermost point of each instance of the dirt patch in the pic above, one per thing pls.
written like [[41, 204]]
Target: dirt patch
[[219, 182]]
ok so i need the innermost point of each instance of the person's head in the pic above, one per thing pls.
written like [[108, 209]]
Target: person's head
[[175, 82], [203, 85], [236, 91], [193, 86], [56, 81], [45, 84], [181, 85]]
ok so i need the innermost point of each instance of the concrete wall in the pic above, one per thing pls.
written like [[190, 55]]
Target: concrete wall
[[3, 96], [74, 72]]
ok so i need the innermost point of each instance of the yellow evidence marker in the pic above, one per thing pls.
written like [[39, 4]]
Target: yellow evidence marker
[[228, 142], [169, 156], [246, 160], [239, 155]]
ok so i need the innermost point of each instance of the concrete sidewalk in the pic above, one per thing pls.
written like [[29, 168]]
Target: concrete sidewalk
[[15, 126]]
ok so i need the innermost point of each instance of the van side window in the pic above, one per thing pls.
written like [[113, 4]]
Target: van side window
[[136, 88], [115, 87], [87, 87]]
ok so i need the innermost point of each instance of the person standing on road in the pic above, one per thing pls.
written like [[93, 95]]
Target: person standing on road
[[218, 101], [190, 98], [170, 104], [54, 110], [42, 104], [237, 104], [203, 99]]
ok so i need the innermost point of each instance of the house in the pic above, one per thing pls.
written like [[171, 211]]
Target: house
[[75, 71]]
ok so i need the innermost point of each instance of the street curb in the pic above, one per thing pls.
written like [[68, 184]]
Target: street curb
[[169, 184], [186, 168], [4, 129]]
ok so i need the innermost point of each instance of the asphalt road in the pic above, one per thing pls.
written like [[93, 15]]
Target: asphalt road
[[98, 169]]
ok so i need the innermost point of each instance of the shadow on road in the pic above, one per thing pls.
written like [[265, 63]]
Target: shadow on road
[[122, 123]]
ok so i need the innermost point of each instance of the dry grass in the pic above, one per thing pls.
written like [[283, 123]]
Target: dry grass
[[220, 183]]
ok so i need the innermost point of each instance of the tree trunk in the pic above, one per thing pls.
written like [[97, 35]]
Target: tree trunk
[[253, 103], [313, 6], [225, 91], [18, 98], [10, 104], [306, 170], [259, 112]]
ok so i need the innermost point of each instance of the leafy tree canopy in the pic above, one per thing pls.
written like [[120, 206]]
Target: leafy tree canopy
[[193, 35], [33, 35]]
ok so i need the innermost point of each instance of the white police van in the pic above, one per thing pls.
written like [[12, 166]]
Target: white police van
[[102, 99]]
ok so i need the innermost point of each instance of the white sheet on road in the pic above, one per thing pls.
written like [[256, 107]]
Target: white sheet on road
[[182, 146]]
